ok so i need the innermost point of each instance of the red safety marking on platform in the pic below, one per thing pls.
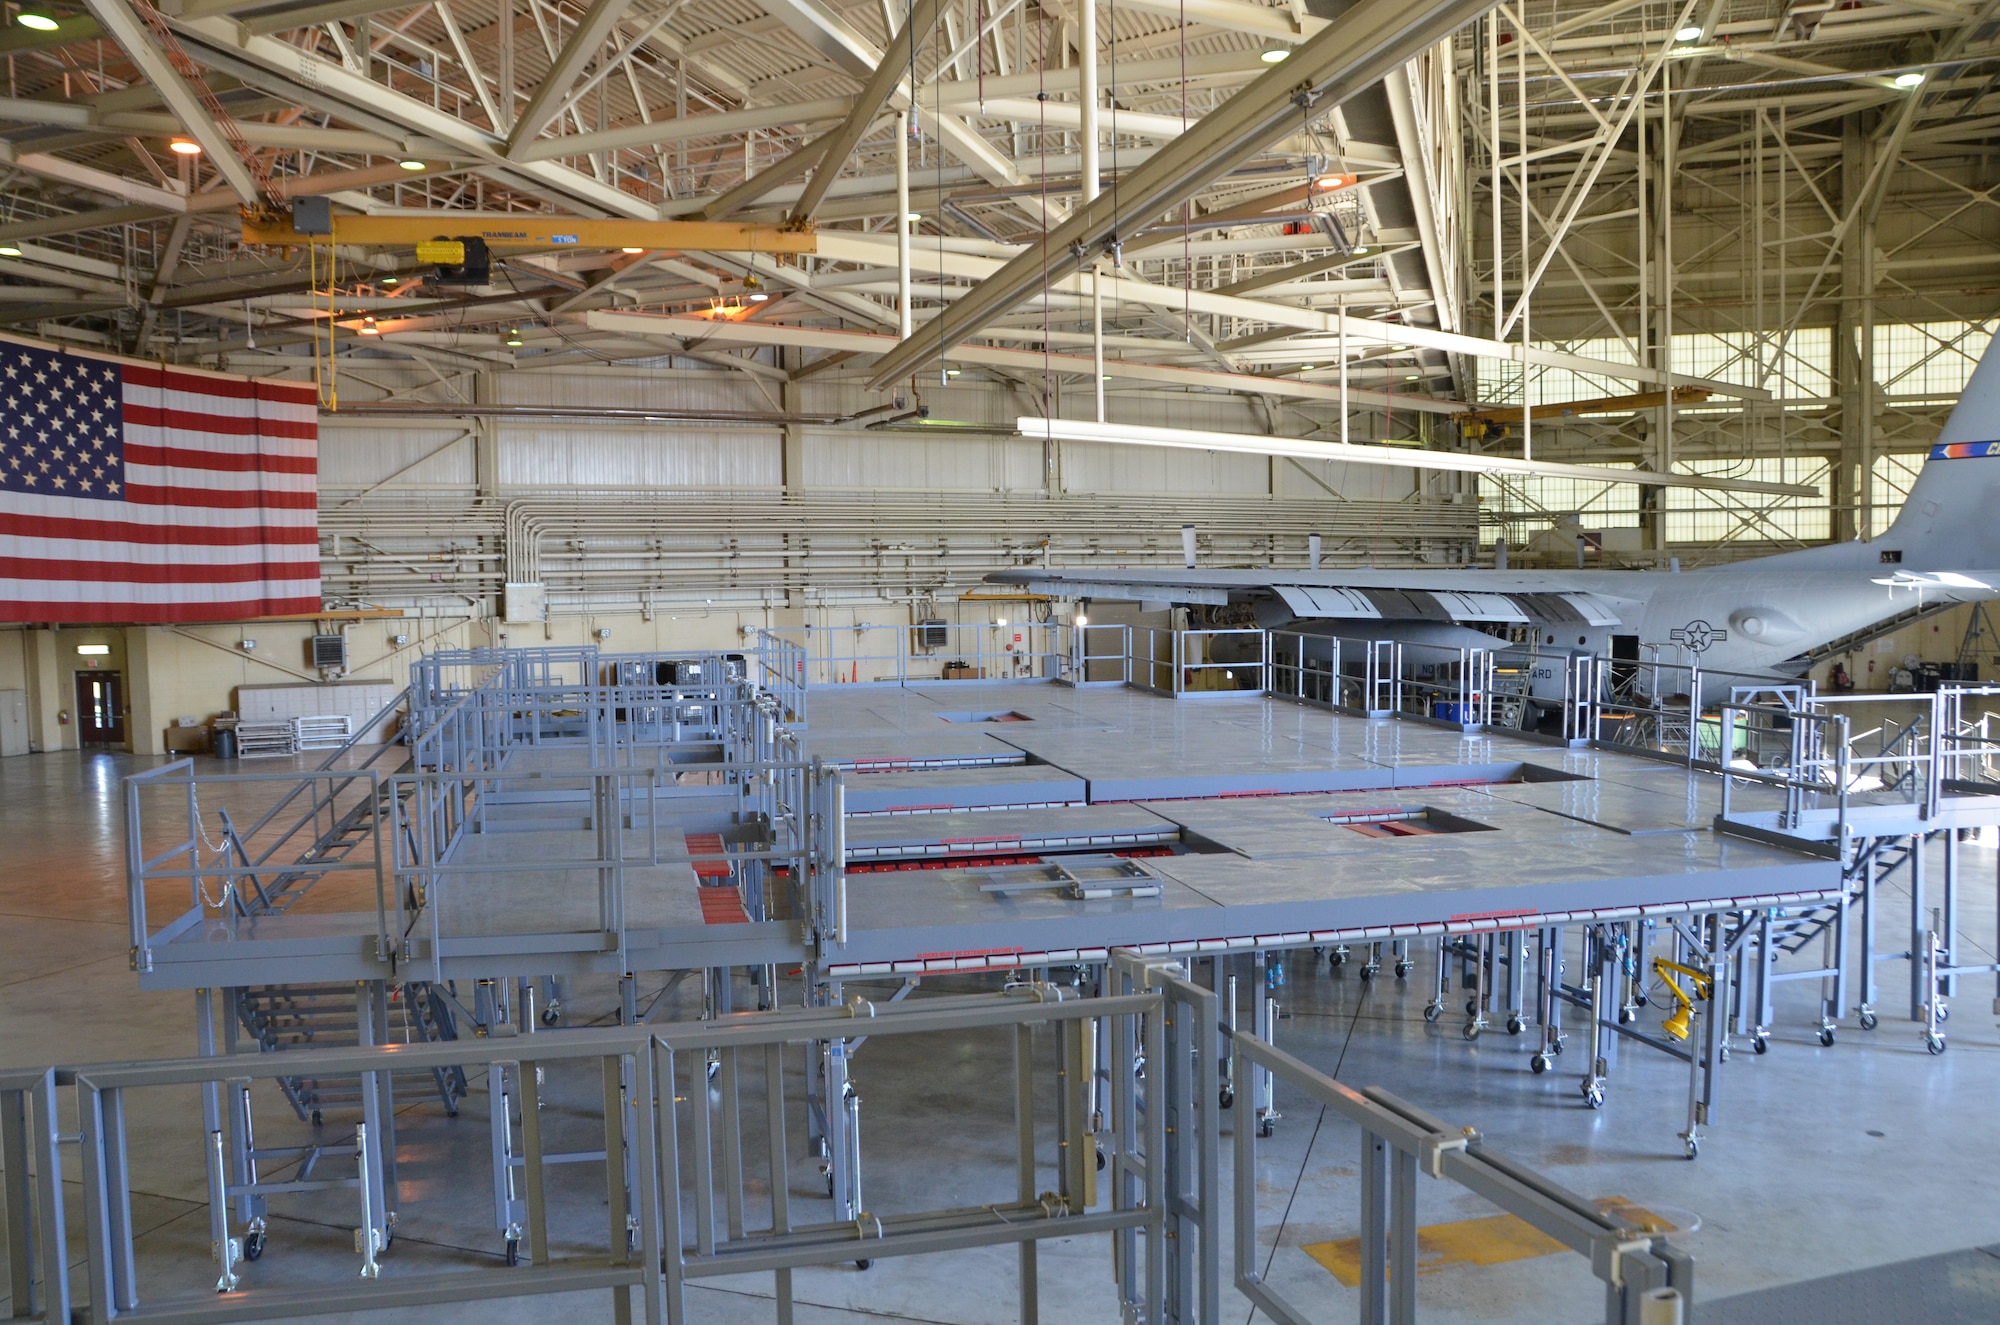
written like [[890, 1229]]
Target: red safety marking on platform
[[721, 906], [707, 844]]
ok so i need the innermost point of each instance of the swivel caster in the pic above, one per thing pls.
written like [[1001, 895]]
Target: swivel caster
[[1228, 1098], [1761, 1043], [1368, 971], [1944, 1014], [714, 1067], [862, 1265], [1432, 1011], [1626, 1016], [1338, 959], [1471, 1007], [1593, 1094], [513, 1251], [1102, 1160], [1471, 1031], [1826, 1036], [1691, 1147], [1266, 1128], [1402, 970], [1515, 1025], [829, 1186], [552, 1014], [1540, 1063], [1934, 1042], [1869, 1021], [317, 1118], [253, 1245]]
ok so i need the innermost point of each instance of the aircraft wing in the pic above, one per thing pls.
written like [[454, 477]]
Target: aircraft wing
[[1461, 597]]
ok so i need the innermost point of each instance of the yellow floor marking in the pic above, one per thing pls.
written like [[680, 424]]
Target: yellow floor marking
[[1494, 1240]]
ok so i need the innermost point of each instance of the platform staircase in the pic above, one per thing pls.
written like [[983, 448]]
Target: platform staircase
[[1796, 930], [320, 1016]]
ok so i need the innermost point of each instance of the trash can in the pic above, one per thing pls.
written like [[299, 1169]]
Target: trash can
[[222, 743]]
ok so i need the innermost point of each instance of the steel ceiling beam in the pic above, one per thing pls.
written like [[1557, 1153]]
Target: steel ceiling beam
[[1354, 52], [127, 29], [585, 42], [875, 93]]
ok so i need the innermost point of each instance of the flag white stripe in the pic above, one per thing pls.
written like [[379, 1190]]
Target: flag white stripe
[[296, 555], [66, 591], [166, 515], [219, 480]]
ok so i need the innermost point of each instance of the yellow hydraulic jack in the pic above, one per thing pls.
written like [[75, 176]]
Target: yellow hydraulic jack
[[1702, 983]]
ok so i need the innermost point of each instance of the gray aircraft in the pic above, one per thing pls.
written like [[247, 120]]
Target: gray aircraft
[[1747, 618]]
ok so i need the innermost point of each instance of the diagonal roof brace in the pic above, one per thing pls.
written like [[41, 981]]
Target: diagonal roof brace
[[875, 94], [1352, 53]]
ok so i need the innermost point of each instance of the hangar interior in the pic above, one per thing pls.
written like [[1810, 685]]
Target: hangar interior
[[774, 469]]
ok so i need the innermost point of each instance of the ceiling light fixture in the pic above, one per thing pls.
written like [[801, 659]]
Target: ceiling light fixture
[[1358, 250], [389, 280], [913, 217], [40, 22], [1276, 55], [514, 341], [410, 163], [631, 249], [1911, 79], [9, 251], [1410, 377], [185, 146], [368, 327], [1689, 33], [1307, 367]]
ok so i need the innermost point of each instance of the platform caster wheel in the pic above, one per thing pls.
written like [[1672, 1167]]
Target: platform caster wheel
[[1761, 1043], [1826, 1036], [1402, 970], [1471, 1031], [1102, 1160], [1337, 960], [1432, 1011], [862, 1265], [1626, 1016], [714, 1068], [1869, 1021], [1471, 1007], [318, 1118], [1266, 1128], [1691, 1147], [1934, 1042], [513, 1251], [1540, 1063], [551, 1014], [829, 1186], [1593, 1095], [1944, 1014], [1557, 1047], [1368, 971], [253, 1246], [1228, 1098], [1515, 1025]]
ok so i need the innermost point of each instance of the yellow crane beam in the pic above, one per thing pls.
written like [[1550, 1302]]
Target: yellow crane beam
[[537, 232]]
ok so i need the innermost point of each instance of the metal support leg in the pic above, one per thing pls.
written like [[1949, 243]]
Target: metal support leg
[[1919, 931]]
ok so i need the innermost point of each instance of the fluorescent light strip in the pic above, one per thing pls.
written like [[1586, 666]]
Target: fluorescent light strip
[[1119, 434]]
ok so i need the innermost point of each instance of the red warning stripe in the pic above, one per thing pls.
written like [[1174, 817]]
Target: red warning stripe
[[707, 844]]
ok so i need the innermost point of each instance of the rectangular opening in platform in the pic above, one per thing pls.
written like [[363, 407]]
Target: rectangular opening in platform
[[1403, 821]]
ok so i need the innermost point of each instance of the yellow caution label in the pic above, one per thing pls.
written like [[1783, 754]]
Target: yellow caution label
[[444, 252]]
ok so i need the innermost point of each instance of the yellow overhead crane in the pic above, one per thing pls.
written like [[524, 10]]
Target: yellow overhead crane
[[533, 232]]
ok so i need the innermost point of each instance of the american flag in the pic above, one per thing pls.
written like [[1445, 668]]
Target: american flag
[[135, 493]]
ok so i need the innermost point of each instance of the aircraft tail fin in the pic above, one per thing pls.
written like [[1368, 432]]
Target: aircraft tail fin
[[1952, 517]]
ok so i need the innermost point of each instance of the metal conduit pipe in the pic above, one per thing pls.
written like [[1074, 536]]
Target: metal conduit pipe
[[889, 544]]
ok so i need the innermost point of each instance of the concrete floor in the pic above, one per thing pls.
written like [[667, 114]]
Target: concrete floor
[[1819, 1161]]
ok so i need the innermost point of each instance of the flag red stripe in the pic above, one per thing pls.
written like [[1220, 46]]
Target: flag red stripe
[[227, 388], [126, 613], [121, 531], [38, 568], [139, 415], [232, 461], [145, 494]]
